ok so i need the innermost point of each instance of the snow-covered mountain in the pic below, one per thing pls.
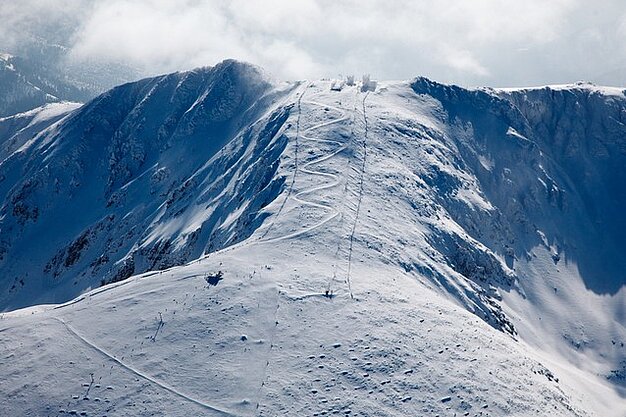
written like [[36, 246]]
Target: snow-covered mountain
[[419, 249], [25, 85], [146, 176]]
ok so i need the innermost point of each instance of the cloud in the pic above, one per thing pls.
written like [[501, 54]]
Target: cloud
[[463, 61], [26, 21], [496, 42]]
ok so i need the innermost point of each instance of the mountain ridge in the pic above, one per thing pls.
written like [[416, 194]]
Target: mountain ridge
[[27, 85], [307, 241], [117, 130]]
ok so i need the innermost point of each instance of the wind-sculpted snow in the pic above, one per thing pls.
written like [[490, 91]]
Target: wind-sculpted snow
[[291, 249], [18, 129]]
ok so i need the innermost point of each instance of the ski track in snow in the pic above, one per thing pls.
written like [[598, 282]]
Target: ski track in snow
[[142, 375], [360, 197], [298, 197], [295, 171], [305, 168]]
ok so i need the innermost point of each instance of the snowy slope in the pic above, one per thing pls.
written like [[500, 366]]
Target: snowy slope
[[18, 129], [146, 176], [417, 250]]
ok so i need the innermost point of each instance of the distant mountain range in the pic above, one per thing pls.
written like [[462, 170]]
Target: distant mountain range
[[25, 85]]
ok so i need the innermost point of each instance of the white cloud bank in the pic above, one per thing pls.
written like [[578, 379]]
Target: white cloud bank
[[494, 42]]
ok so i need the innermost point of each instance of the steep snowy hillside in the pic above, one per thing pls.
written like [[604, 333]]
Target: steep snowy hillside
[[146, 176], [18, 129], [420, 249], [25, 85], [581, 129], [551, 163]]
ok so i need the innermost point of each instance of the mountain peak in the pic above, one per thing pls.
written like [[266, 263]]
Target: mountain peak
[[312, 239], [135, 148]]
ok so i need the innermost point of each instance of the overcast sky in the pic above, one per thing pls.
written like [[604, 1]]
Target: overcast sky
[[469, 42]]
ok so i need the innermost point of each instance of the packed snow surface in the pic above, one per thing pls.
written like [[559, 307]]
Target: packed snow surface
[[297, 249]]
